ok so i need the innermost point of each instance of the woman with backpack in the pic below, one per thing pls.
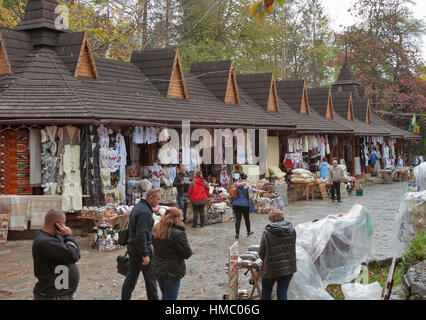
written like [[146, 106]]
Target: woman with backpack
[[241, 203], [171, 248], [198, 194]]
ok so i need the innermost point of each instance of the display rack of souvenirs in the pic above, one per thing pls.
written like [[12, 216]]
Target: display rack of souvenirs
[[266, 198], [105, 213], [159, 212], [350, 183], [106, 238], [134, 189], [219, 203], [168, 192]]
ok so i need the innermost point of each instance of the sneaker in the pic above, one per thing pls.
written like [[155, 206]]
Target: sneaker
[[339, 201], [333, 200], [193, 226], [237, 236], [250, 233], [202, 226]]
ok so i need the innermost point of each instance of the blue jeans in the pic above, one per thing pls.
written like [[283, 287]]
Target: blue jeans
[[183, 204], [169, 289], [282, 287]]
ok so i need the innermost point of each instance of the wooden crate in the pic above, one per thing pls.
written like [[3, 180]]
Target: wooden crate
[[323, 189]]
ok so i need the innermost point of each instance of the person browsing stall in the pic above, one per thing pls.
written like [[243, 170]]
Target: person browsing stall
[[278, 252], [198, 194], [171, 248], [55, 253], [182, 182], [324, 169]]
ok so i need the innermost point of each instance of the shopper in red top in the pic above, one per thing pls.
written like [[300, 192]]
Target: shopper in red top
[[198, 194]]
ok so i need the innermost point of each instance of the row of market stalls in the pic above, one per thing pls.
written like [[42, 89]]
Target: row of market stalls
[[84, 133]]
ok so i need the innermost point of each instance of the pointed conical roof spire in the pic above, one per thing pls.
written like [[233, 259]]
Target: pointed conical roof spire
[[42, 14], [346, 76]]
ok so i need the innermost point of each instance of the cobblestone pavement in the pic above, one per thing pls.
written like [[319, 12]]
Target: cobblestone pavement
[[206, 275]]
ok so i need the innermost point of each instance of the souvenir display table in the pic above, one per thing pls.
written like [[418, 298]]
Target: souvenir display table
[[402, 174], [251, 262], [308, 187], [386, 175]]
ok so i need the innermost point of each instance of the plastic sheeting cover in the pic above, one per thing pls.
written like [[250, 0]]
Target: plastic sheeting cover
[[420, 174], [356, 291], [409, 221], [330, 251]]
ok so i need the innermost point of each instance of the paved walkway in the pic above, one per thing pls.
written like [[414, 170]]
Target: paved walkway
[[206, 275]]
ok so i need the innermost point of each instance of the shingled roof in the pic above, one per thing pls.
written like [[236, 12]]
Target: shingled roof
[[395, 132], [247, 111], [42, 90], [294, 93], [74, 50], [163, 67], [219, 77], [320, 99], [262, 88], [260, 91], [346, 77], [16, 46], [39, 14], [47, 90]]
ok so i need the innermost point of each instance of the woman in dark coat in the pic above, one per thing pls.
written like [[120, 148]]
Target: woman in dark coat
[[171, 248], [278, 253]]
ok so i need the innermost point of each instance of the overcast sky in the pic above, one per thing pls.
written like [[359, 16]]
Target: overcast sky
[[340, 17]]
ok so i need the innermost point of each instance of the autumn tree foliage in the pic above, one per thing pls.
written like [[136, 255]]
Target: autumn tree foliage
[[384, 52]]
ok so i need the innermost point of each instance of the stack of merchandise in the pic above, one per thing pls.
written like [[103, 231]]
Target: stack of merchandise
[[106, 238], [219, 204], [105, 213], [266, 198], [302, 176], [350, 183], [250, 259], [159, 212]]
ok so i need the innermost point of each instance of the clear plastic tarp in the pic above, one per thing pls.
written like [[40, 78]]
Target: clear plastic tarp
[[357, 291], [409, 221], [420, 174], [330, 251]]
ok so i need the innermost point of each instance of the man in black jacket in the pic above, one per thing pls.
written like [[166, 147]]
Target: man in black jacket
[[140, 246], [55, 253], [182, 183]]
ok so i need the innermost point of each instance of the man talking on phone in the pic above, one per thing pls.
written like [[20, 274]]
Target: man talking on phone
[[55, 253]]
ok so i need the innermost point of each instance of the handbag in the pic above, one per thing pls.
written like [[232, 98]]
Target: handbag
[[123, 235], [123, 264]]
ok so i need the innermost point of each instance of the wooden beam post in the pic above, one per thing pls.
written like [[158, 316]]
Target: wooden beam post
[[353, 156]]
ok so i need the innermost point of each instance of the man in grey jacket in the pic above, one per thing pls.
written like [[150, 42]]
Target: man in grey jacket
[[336, 176], [140, 246]]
